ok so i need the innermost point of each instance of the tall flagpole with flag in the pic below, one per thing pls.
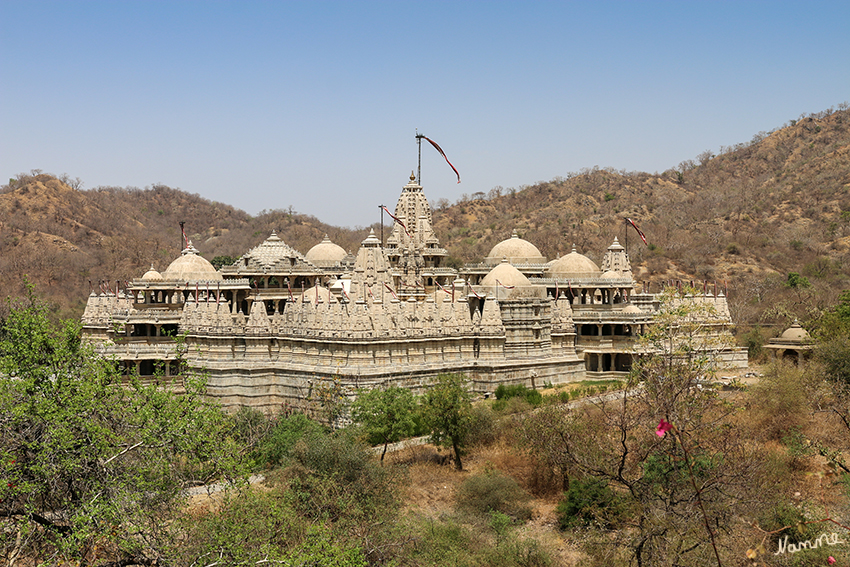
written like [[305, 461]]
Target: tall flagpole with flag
[[419, 138]]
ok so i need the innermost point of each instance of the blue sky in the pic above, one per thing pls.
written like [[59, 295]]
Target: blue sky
[[315, 105]]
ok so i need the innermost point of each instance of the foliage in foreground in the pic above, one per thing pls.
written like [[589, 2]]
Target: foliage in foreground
[[388, 415], [448, 413], [88, 462]]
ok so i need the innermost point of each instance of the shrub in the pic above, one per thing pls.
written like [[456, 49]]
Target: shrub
[[511, 406], [483, 428], [333, 477], [588, 501], [493, 491], [779, 402], [505, 392], [754, 340], [276, 447]]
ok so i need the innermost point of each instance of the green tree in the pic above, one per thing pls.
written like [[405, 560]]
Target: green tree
[[448, 413], [220, 261], [388, 415], [87, 461], [682, 509]]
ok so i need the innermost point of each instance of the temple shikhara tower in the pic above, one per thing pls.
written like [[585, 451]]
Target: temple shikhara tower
[[276, 324]]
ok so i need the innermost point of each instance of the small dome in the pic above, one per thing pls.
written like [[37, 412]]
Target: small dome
[[326, 253], [611, 275], [506, 275], [152, 275], [317, 291], [270, 252], [632, 308], [191, 266], [795, 333], [516, 251], [574, 265]]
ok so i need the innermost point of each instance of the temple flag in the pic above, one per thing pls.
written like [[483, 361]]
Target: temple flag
[[442, 153], [386, 285], [639, 231], [395, 218]]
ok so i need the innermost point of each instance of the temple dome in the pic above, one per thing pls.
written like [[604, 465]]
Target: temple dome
[[152, 275], [574, 265], [795, 333], [326, 253], [506, 275], [191, 266], [516, 251], [316, 292]]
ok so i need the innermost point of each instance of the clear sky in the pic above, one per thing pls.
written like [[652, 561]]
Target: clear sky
[[315, 105]]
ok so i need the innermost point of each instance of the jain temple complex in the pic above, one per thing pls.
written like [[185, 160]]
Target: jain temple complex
[[276, 324]]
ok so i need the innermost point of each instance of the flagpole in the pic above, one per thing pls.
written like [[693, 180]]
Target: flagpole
[[419, 163], [382, 224], [627, 238]]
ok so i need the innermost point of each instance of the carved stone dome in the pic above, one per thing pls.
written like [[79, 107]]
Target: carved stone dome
[[191, 266], [326, 253], [516, 251], [574, 265], [506, 275], [795, 333], [152, 275]]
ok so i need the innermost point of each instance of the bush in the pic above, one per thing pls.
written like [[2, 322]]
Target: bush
[[511, 406], [834, 353], [493, 491], [505, 392], [754, 340], [276, 447], [785, 514], [588, 501], [779, 403], [483, 428]]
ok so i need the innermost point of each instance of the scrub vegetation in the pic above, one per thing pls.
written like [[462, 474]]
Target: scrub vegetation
[[664, 469]]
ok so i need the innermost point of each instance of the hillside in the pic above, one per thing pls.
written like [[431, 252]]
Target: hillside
[[65, 239], [748, 216]]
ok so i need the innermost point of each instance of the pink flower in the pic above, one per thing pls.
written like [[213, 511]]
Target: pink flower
[[663, 427], [830, 559]]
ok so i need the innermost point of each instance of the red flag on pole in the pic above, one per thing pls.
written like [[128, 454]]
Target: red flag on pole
[[386, 285], [639, 231], [395, 218], [442, 153]]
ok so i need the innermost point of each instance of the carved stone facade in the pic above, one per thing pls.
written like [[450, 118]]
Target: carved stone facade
[[274, 326]]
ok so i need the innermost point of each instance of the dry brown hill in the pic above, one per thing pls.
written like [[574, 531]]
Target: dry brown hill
[[66, 240], [748, 216]]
